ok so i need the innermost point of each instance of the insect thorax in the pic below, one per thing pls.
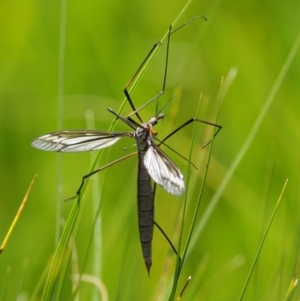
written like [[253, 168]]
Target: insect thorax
[[145, 133]]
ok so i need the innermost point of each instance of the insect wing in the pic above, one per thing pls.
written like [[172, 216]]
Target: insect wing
[[77, 141], [163, 171]]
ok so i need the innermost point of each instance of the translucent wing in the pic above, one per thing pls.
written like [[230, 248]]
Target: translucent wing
[[163, 171], [77, 140]]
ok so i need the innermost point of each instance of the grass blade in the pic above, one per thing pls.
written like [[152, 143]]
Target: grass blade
[[53, 276], [60, 109], [292, 286], [13, 224], [262, 243], [181, 261]]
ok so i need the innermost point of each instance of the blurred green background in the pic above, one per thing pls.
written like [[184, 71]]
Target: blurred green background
[[104, 44]]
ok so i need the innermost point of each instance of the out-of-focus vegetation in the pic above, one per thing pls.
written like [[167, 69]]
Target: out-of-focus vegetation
[[103, 45]]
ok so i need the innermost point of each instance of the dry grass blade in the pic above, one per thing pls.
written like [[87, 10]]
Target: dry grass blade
[[17, 215], [182, 291], [293, 284]]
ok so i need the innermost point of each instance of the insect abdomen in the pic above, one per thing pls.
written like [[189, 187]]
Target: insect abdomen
[[145, 211]]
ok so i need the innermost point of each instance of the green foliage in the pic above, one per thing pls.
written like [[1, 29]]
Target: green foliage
[[251, 45]]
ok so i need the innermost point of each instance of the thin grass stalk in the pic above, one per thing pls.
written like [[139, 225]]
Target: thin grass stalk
[[97, 200], [18, 214], [89, 244], [203, 182], [49, 290], [60, 109], [180, 263], [63, 273], [179, 260], [262, 242], [38, 289], [293, 285]]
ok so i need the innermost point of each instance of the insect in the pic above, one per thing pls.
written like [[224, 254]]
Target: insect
[[153, 163]]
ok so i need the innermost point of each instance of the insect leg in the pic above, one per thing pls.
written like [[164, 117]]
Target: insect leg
[[165, 75], [144, 63], [166, 236], [160, 228], [96, 171], [219, 127], [127, 95]]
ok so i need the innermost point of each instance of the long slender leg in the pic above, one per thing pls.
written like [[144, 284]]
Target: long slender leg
[[127, 95], [96, 171], [179, 128], [187, 22], [159, 227], [166, 236], [187, 123], [135, 111], [164, 79], [177, 153]]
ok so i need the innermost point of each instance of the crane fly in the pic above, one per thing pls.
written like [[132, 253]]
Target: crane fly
[[153, 163]]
